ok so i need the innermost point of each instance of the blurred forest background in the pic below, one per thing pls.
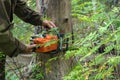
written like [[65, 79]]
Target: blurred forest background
[[96, 47]]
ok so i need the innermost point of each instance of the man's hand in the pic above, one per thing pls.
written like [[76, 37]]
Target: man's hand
[[48, 24], [30, 48]]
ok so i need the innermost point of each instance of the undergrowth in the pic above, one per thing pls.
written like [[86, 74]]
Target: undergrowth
[[97, 37]]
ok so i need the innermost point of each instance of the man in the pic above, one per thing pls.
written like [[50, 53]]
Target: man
[[8, 44]]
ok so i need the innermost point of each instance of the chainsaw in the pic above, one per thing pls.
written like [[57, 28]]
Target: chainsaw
[[49, 42]]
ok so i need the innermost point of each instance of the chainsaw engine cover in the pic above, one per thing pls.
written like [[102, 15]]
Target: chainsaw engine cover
[[46, 44]]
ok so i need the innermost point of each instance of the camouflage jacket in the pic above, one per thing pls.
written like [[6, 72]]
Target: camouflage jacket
[[8, 44]]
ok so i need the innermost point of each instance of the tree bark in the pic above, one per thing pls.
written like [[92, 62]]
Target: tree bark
[[59, 12]]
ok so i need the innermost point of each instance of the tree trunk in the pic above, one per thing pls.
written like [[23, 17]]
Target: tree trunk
[[59, 11]]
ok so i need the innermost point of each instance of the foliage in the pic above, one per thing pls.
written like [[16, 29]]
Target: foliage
[[96, 27], [37, 73], [11, 76], [1, 55]]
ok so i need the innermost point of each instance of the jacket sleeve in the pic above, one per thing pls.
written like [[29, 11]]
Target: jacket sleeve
[[10, 45], [27, 14]]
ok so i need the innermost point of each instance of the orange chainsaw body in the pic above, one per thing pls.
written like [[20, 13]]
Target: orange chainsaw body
[[46, 48]]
